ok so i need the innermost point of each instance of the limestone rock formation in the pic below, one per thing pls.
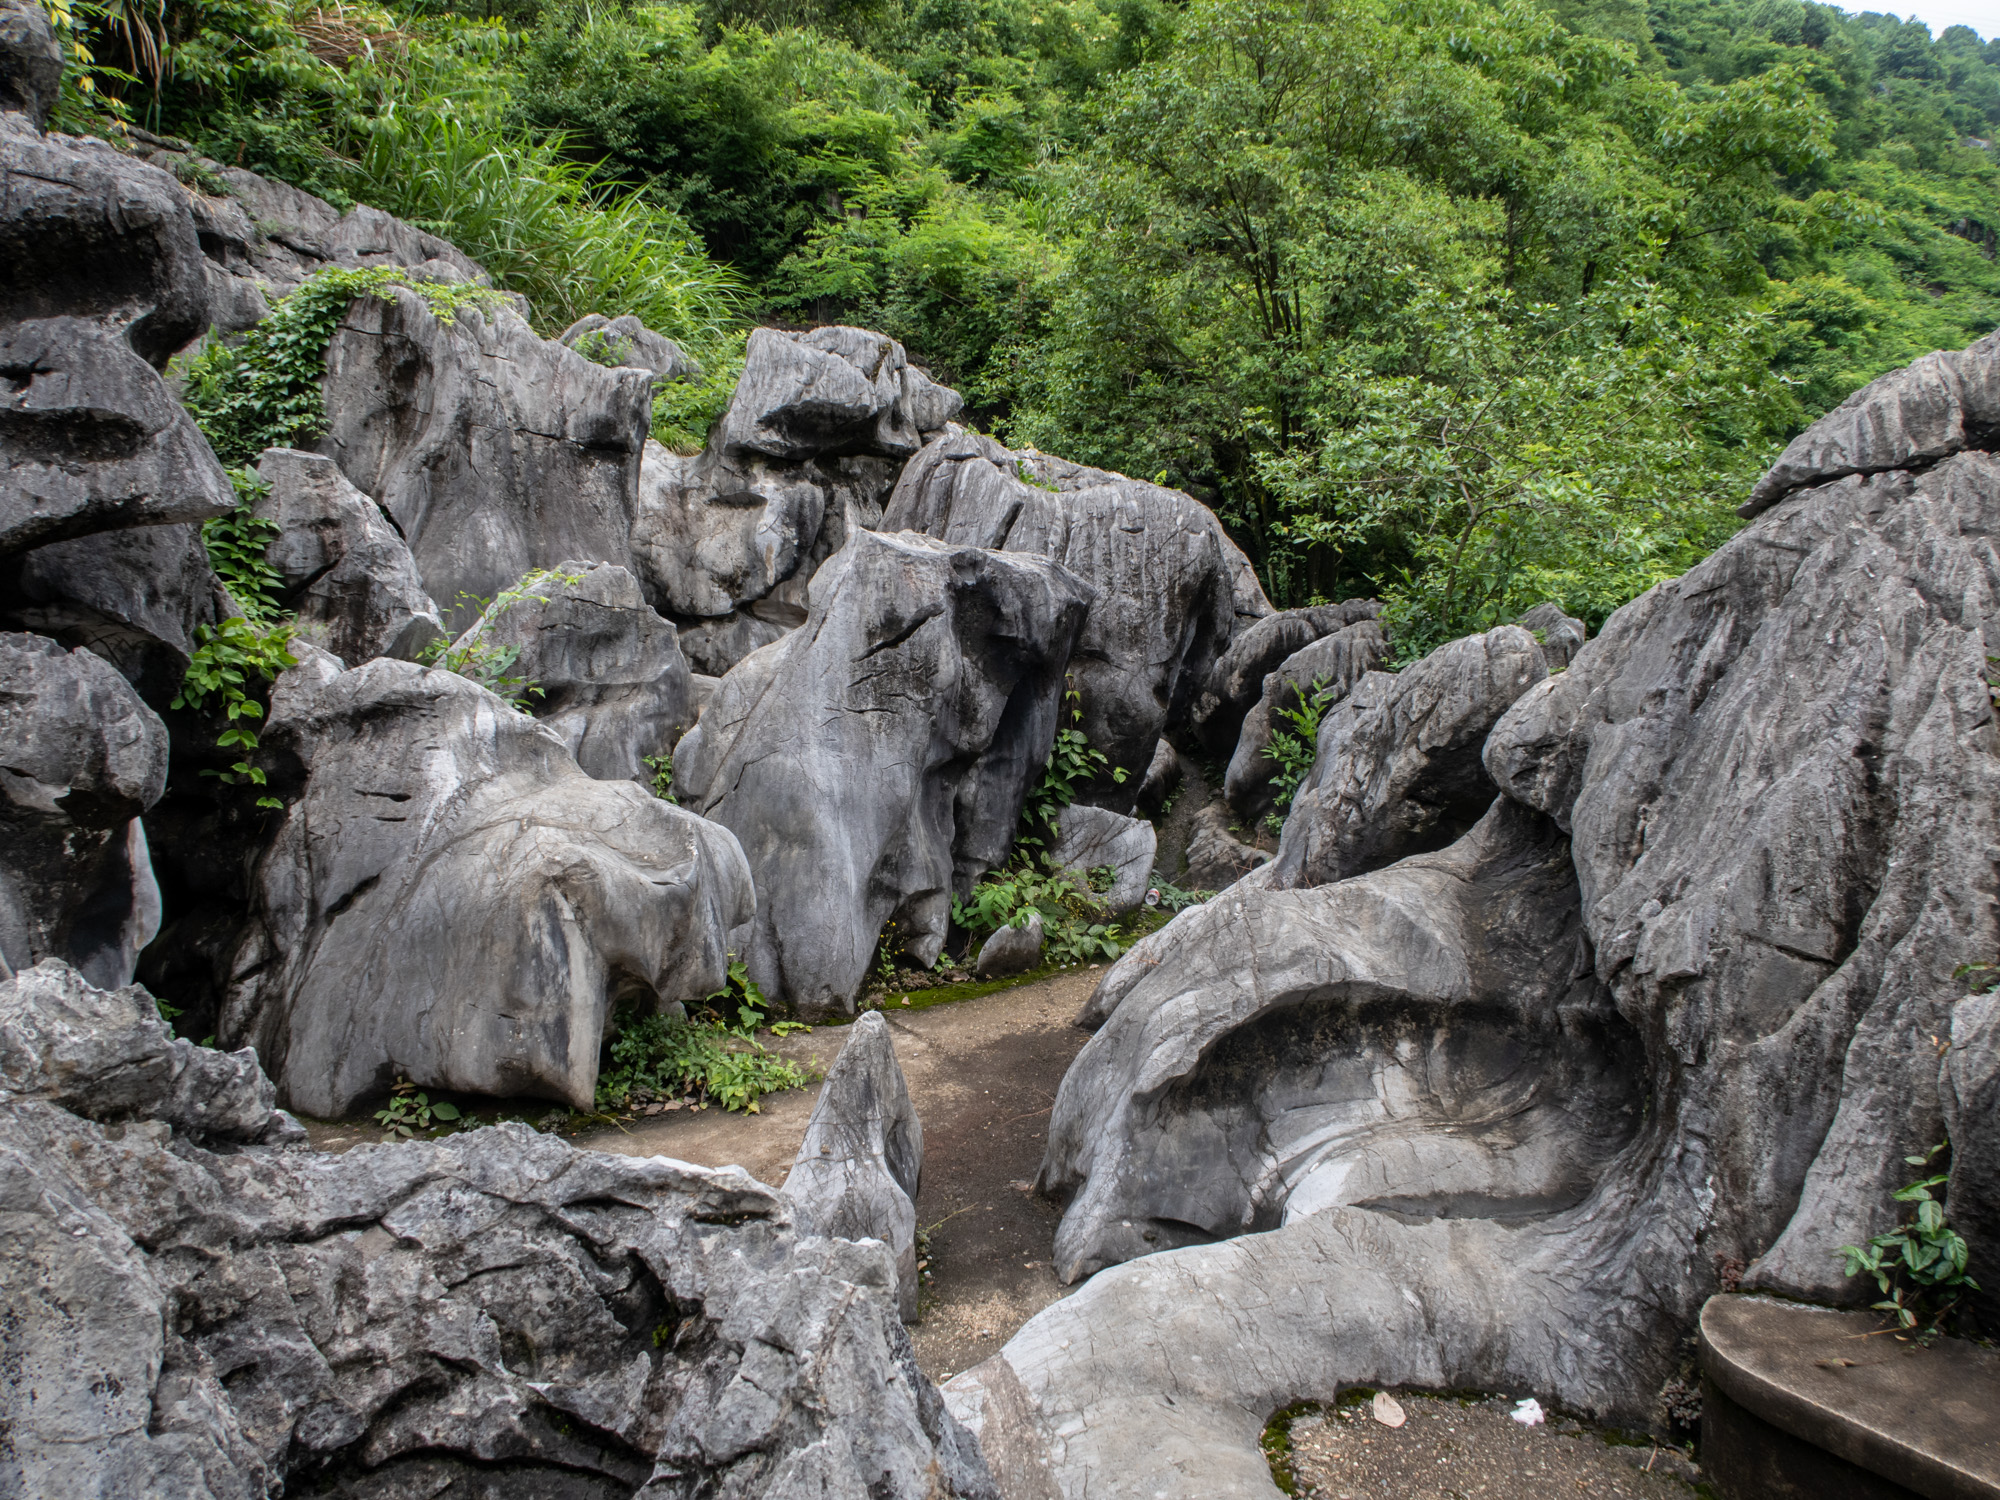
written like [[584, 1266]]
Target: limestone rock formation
[[1399, 768], [874, 761], [1334, 663], [346, 575], [104, 281], [1094, 838], [1011, 950], [81, 757], [1260, 648], [493, 450], [831, 391], [451, 900], [609, 676], [1167, 592], [1779, 781], [135, 596], [196, 1309], [627, 341], [713, 647], [862, 1158]]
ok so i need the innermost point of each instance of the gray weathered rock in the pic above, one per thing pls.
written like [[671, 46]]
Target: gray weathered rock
[[194, 1310], [1162, 778], [103, 275], [714, 647], [874, 761], [862, 1158], [1561, 635], [450, 899], [612, 682], [493, 450], [1398, 770], [134, 596], [627, 341], [1216, 857], [1337, 662], [830, 391], [1011, 950], [1159, 561], [1780, 775], [81, 757], [1090, 838], [1937, 406], [1256, 650], [347, 576], [715, 533], [30, 61]]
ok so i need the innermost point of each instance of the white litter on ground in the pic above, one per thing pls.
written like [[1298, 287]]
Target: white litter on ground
[[1527, 1411]]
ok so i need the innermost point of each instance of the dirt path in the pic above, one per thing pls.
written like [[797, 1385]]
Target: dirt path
[[983, 1075]]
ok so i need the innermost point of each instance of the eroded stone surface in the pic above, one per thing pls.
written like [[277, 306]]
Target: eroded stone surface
[[1095, 838], [196, 1309], [1333, 664]]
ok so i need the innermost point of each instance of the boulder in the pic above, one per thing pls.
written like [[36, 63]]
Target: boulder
[[1162, 779], [493, 450], [608, 673], [627, 341], [345, 573], [1166, 592], [1011, 950], [1561, 635], [874, 761], [1257, 650], [830, 391], [135, 597], [1216, 857], [1336, 662], [1398, 769], [449, 899], [1095, 838], [30, 61], [1780, 781], [81, 757], [859, 1166], [196, 1307]]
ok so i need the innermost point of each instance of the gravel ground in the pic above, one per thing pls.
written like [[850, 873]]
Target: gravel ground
[[1448, 1449]]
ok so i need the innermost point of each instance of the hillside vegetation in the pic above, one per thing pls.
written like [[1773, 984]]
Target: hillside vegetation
[[1469, 303]]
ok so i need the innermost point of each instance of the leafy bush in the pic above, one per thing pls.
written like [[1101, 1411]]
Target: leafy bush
[[705, 1060], [1919, 1266], [1067, 906], [1073, 763], [410, 1111], [1296, 749]]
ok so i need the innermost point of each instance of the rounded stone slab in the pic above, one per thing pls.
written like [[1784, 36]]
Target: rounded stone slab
[[1927, 1419]]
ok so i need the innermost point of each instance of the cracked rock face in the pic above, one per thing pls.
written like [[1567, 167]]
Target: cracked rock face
[[451, 900], [612, 682], [198, 1308], [346, 574], [81, 757], [494, 450], [862, 1159], [873, 762], [1168, 592], [1779, 781]]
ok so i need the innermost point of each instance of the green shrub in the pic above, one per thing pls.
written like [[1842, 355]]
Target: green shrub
[[701, 1060], [1919, 1266], [1297, 748]]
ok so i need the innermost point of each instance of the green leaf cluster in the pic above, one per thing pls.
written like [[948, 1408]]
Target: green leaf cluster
[[702, 1060], [410, 1111], [1296, 749], [1919, 1266]]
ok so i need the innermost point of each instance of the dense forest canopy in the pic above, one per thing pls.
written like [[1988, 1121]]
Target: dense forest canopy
[[1470, 303]]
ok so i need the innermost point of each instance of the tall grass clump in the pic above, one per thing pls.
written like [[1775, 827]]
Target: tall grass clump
[[534, 219]]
